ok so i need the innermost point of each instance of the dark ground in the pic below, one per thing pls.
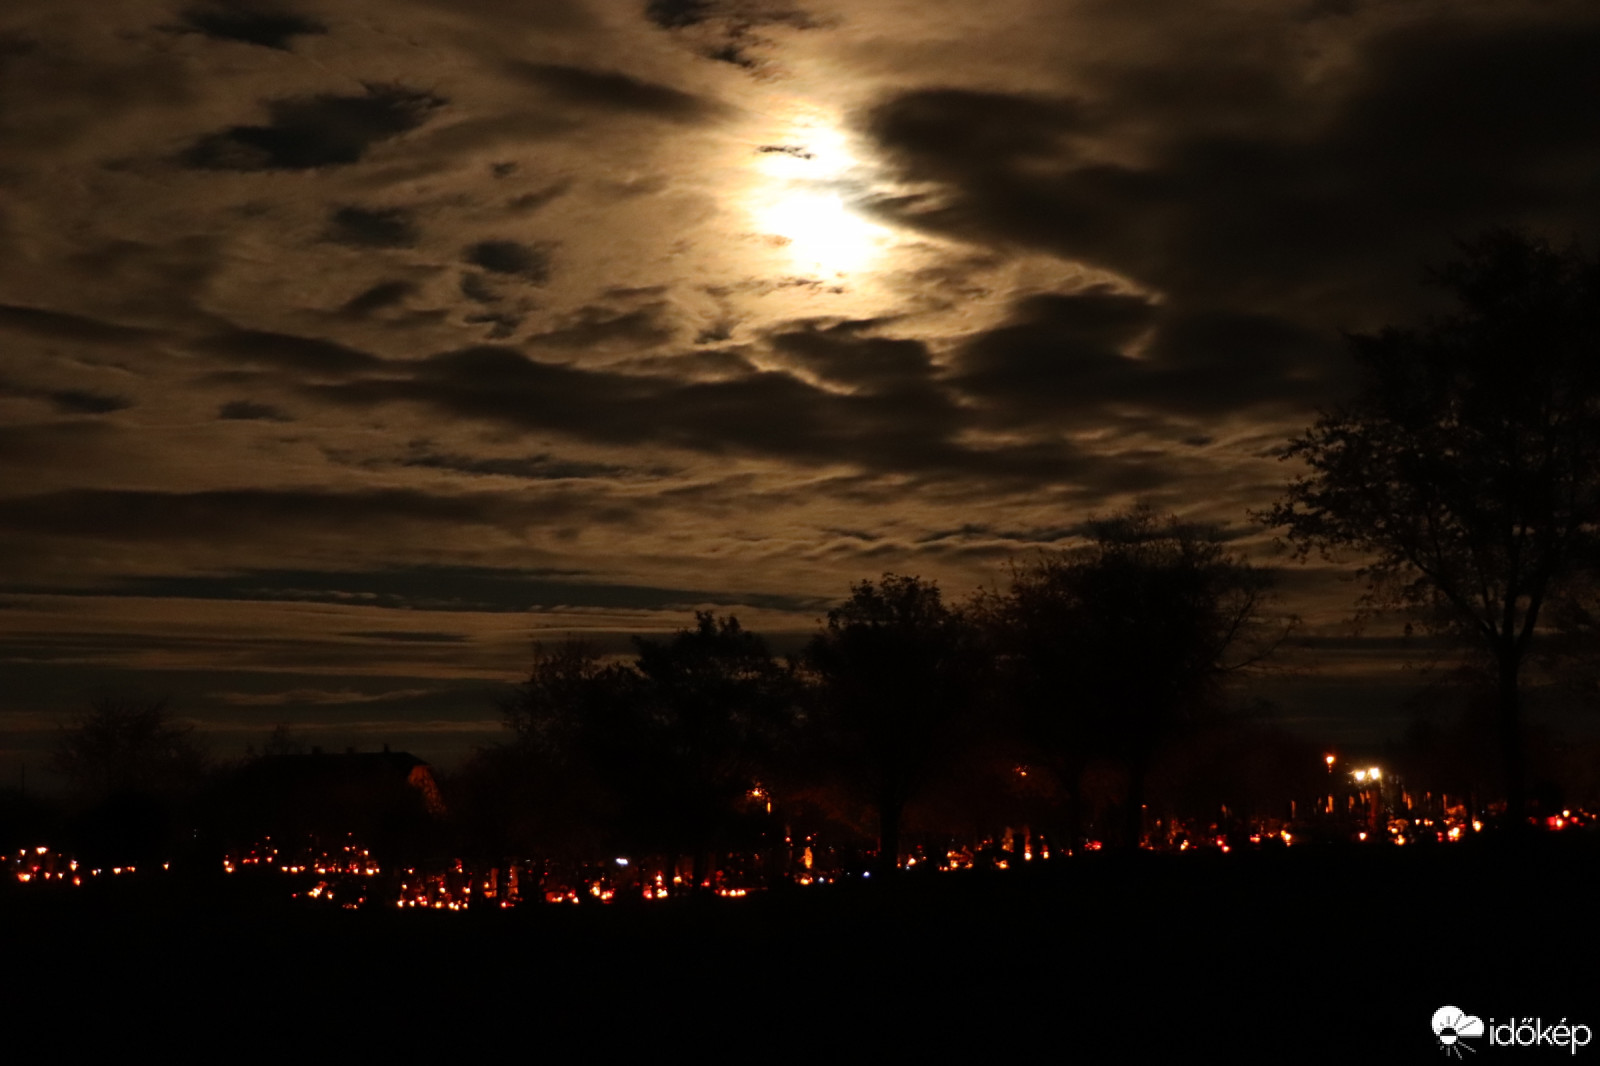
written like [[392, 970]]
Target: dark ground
[[1304, 954]]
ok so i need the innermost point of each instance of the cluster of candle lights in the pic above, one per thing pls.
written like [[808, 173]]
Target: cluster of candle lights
[[346, 874]]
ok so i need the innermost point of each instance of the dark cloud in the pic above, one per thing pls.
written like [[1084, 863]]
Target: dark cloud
[[843, 352], [531, 262], [316, 131], [854, 534], [249, 411], [727, 30], [83, 441], [676, 14], [764, 412], [611, 91], [133, 515], [596, 327], [54, 325], [287, 351], [476, 288], [956, 131], [83, 402], [360, 227], [530, 202], [1060, 352], [443, 588], [501, 324], [912, 428], [713, 364], [408, 636], [67, 401], [1090, 356], [382, 295], [542, 467], [1251, 187], [259, 26]]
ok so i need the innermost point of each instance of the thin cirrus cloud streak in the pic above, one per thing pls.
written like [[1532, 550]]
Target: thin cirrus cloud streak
[[624, 309]]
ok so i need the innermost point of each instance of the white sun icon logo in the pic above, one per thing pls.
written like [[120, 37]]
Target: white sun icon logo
[[1450, 1025]]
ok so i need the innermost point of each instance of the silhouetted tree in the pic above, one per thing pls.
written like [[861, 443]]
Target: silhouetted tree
[[715, 707], [129, 766], [1111, 648], [895, 668], [656, 756], [558, 789], [1466, 471], [563, 687], [126, 745]]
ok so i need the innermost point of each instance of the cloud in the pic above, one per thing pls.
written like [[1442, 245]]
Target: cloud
[[531, 262], [676, 14], [132, 515], [84, 402], [598, 327], [409, 636], [844, 353], [249, 411], [259, 26], [1100, 356], [306, 133], [382, 295], [728, 30], [476, 288], [612, 91], [914, 427], [317, 697], [360, 227], [57, 325], [439, 588], [68, 401], [1219, 180], [287, 351], [542, 467], [962, 132]]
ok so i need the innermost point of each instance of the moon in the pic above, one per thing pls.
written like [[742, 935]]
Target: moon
[[822, 233], [805, 195]]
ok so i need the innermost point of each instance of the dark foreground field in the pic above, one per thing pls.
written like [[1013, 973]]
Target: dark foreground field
[[1293, 956]]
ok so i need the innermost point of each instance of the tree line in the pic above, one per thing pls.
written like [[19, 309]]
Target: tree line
[[1461, 477], [706, 742]]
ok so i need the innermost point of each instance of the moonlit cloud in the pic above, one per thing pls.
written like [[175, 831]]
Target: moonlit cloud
[[553, 316]]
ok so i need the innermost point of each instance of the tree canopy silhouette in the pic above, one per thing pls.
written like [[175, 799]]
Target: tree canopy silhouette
[[714, 707], [658, 756], [895, 668], [130, 767], [1466, 470], [1109, 649], [127, 745]]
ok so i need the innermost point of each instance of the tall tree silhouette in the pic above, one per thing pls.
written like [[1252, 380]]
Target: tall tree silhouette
[[1466, 470], [557, 789], [895, 667], [1110, 648], [715, 705]]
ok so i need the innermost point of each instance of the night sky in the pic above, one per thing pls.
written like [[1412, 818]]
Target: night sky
[[348, 346]]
